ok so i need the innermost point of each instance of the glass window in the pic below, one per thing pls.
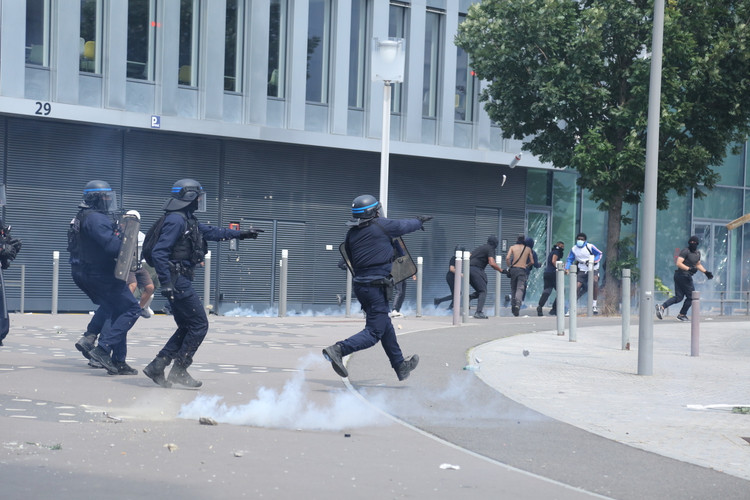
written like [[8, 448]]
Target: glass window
[[397, 29], [719, 204], [539, 187], [37, 32], [233, 45], [357, 51], [318, 44], [464, 105], [141, 30], [277, 48], [431, 64], [91, 34], [731, 170], [189, 37]]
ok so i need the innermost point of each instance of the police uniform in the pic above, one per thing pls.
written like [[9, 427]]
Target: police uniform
[[180, 247], [370, 247], [92, 267], [9, 248]]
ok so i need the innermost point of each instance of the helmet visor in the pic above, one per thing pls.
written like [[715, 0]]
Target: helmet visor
[[201, 202]]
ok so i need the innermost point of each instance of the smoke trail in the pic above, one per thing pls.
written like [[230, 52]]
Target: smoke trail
[[288, 409]]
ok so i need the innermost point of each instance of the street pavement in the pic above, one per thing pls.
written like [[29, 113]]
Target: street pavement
[[534, 416]]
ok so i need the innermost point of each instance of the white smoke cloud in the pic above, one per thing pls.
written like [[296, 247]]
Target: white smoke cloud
[[289, 409]]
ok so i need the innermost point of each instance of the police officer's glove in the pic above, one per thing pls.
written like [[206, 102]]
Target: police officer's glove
[[168, 292], [7, 252], [4, 264], [249, 233], [423, 219], [709, 275], [16, 244], [693, 270]]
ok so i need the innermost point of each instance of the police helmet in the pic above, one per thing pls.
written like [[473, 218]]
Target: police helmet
[[365, 206], [186, 192], [99, 196]]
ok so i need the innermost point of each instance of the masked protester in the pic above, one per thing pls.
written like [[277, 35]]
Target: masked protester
[[9, 248], [581, 253], [688, 263]]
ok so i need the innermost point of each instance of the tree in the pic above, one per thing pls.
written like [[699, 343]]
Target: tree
[[571, 77]]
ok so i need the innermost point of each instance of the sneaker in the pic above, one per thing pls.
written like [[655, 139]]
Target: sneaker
[[553, 312], [515, 310], [407, 366], [539, 311], [436, 302], [507, 300], [395, 314], [339, 299], [659, 311], [595, 310], [480, 315], [682, 317], [333, 354], [147, 312], [567, 314]]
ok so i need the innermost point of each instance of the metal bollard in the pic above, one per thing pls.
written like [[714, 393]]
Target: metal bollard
[[283, 282], [465, 300], [348, 311], [498, 287], [457, 289], [590, 285], [573, 303], [207, 282], [23, 286], [695, 324], [55, 279], [419, 286], [625, 309], [560, 297]]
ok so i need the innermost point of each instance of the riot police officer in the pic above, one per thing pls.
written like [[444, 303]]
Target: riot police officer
[[9, 248], [370, 248], [179, 247], [94, 243]]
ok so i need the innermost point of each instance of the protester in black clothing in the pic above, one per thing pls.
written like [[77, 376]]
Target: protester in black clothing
[[688, 263], [450, 278], [9, 248], [480, 258], [550, 279]]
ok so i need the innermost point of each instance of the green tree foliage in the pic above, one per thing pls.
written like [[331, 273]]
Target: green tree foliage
[[572, 76]]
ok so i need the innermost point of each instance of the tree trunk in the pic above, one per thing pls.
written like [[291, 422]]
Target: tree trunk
[[613, 285]]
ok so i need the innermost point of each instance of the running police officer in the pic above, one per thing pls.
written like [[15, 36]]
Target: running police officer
[[180, 245], [370, 248], [94, 243]]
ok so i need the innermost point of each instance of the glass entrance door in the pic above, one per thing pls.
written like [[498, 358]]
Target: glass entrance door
[[537, 228], [715, 252]]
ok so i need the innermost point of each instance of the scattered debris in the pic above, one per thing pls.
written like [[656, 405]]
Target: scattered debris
[[238, 454], [449, 466], [525, 352], [171, 447], [745, 410], [207, 421], [747, 439], [347, 435], [116, 420]]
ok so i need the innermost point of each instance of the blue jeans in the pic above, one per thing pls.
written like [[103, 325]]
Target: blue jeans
[[378, 326]]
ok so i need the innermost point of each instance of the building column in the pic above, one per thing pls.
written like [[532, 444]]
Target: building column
[[167, 55], [374, 107], [115, 60], [211, 60], [12, 48], [255, 69], [414, 77], [338, 105], [446, 110], [66, 51], [296, 82]]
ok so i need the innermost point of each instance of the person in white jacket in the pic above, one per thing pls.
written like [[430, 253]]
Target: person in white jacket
[[581, 254]]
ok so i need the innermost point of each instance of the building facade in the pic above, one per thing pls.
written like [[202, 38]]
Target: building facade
[[271, 105]]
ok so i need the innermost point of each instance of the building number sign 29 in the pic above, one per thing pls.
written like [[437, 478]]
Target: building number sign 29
[[43, 108]]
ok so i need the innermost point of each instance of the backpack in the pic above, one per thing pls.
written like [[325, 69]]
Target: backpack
[[74, 235], [149, 241]]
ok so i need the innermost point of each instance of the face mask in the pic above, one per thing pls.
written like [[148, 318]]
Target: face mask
[[580, 243], [692, 246]]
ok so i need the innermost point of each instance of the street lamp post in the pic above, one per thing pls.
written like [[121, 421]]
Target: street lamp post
[[388, 59]]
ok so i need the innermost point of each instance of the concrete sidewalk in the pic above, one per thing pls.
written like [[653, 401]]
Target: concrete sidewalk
[[593, 384]]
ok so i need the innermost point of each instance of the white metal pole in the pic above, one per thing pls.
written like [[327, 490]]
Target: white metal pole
[[207, 282], [465, 300], [457, 288], [384, 148], [283, 282], [419, 286], [55, 279]]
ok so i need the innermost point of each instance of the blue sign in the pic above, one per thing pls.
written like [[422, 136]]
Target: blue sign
[[155, 121]]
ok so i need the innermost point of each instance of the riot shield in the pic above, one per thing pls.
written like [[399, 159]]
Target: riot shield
[[130, 227], [403, 266]]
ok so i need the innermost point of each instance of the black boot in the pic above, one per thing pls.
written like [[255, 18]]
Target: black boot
[[333, 354], [102, 356], [179, 375], [125, 369], [405, 368], [86, 344], [155, 371]]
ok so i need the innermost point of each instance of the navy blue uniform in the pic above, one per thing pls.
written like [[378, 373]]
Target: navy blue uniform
[[372, 258], [93, 271], [187, 309]]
